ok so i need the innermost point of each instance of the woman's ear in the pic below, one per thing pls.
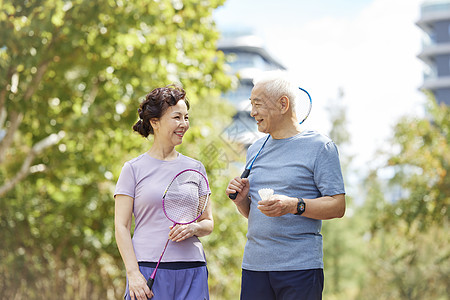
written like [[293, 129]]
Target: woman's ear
[[154, 122]]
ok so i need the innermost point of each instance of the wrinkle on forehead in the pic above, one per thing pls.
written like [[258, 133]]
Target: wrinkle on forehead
[[261, 96]]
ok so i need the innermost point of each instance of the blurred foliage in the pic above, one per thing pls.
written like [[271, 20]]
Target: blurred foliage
[[408, 252], [422, 169], [396, 244], [340, 236]]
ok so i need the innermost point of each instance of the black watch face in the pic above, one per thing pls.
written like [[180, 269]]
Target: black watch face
[[301, 206]]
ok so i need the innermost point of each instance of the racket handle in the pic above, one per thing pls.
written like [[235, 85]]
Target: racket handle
[[150, 283], [243, 175]]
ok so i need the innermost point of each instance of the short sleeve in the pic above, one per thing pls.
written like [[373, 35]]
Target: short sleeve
[[203, 171], [126, 183], [327, 171]]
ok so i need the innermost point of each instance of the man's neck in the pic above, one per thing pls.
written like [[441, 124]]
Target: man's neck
[[286, 132]]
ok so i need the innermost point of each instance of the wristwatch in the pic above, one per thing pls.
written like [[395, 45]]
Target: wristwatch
[[300, 206]]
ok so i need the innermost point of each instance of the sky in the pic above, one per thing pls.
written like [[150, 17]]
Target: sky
[[367, 48]]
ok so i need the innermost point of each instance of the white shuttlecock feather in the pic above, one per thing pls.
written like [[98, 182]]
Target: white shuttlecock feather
[[265, 193]]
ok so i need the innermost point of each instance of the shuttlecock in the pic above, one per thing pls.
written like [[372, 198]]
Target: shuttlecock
[[265, 194]]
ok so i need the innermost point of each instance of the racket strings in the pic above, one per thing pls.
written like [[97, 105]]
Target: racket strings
[[186, 197], [303, 105]]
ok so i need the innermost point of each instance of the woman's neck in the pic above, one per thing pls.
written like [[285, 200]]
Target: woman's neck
[[163, 152]]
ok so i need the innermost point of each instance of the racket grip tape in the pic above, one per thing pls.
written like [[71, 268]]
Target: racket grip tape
[[150, 282], [243, 175]]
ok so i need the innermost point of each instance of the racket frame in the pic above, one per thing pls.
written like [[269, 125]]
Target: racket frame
[[151, 279]]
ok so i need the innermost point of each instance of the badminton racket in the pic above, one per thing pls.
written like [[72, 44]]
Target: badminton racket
[[303, 105], [302, 108], [184, 201]]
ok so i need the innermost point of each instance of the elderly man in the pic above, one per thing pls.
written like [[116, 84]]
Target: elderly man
[[283, 256]]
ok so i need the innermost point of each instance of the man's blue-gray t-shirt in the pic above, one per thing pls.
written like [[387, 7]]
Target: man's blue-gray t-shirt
[[307, 166]]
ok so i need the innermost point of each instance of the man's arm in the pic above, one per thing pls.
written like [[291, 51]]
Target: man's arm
[[244, 207], [323, 208]]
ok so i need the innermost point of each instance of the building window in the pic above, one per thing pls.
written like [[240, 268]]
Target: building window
[[448, 57]]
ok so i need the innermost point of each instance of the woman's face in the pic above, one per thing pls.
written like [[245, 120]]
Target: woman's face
[[173, 124]]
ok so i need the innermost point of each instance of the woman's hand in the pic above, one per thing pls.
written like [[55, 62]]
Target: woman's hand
[[179, 232], [138, 287]]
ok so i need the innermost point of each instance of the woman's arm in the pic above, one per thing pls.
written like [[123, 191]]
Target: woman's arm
[[122, 221]]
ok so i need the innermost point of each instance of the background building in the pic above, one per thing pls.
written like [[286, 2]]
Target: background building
[[435, 22], [246, 57]]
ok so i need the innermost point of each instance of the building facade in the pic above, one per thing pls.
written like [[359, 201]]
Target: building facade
[[246, 56], [435, 22]]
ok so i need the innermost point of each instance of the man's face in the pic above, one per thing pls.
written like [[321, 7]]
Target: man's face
[[264, 109]]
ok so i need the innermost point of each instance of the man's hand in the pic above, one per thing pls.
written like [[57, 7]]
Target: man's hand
[[278, 205], [241, 186]]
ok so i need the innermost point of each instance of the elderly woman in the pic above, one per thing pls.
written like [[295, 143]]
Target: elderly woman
[[182, 273]]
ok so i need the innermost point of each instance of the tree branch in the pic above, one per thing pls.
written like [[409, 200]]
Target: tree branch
[[5, 143], [36, 79], [16, 118], [9, 74], [2, 101], [2, 119], [25, 169]]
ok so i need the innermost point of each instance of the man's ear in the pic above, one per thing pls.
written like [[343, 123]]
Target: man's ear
[[284, 104]]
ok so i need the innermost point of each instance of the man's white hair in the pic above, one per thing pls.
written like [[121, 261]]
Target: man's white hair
[[278, 83]]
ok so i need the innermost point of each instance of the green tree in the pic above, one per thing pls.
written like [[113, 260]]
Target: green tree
[[58, 58], [71, 77], [334, 244], [408, 251], [422, 168], [342, 237]]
